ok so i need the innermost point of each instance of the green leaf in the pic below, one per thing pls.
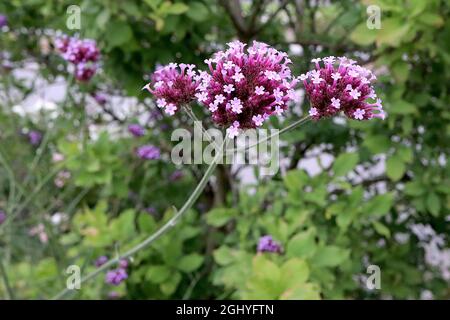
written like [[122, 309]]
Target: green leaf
[[118, 33], [363, 36], [224, 256], [157, 274], [431, 19], [402, 107], [176, 8], [305, 291], [400, 71], [381, 229], [395, 168], [190, 262], [330, 256], [218, 217], [433, 203], [198, 11], [294, 272], [379, 205], [414, 188], [171, 284], [294, 180], [302, 245], [377, 144], [344, 163], [392, 31]]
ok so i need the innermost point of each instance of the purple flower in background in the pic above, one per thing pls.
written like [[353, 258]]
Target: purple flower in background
[[244, 88], [2, 217], [35, 137], [136, 130], [84, 71], [173, 86], [116, 276], [150, 210], [101, 261], [3, 20], [148, 152], [123, 264], [113, 295], [267, 244], [343, 87], [83, 53], [176, 175], [100, 98]]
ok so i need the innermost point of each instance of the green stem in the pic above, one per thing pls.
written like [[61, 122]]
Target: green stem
[[6, 281], [174, 220], [167, 226]]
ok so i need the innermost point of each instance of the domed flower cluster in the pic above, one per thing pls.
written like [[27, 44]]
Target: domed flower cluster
[[267, 244], [117, 276], [341, 85], [83, 53], [246, 87], [148, 152], [173, 86]]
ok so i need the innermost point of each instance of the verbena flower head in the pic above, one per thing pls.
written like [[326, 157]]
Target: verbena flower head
[[2, 217], [116, 276], [35, 137], [148, 152], [267, 244], [173, 86], [245, 87], [101, 261], [83, 53], [341, 85], [3, 20], [136, 130]]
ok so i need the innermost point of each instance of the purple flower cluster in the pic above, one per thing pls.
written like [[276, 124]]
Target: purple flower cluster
[[101, 261], [117, 276], [148, 152], [83, 53], [3, 20], [246, 87], [2, 217], [267, 244], [136, 130], [34, 137], [173, 86], [341, 85]]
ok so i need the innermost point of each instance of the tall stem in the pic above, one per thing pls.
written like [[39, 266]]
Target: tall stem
[[167, 226], [173, 221]]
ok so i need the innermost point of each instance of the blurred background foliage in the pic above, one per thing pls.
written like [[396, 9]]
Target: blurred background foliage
[[383, 199]]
